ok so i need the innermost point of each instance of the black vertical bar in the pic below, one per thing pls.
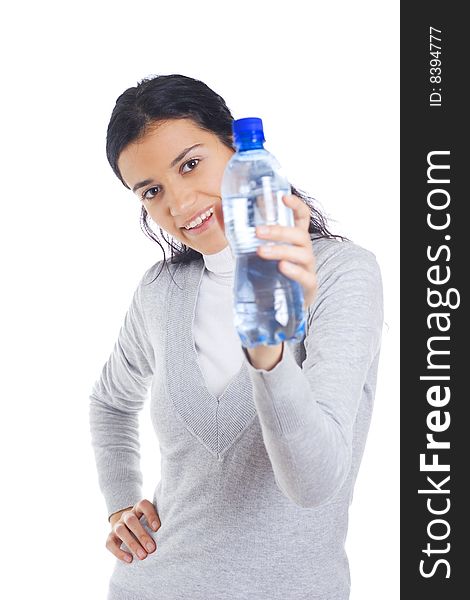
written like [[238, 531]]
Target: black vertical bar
[[434, 262]]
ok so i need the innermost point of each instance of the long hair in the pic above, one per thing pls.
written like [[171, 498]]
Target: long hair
[[164, 97]]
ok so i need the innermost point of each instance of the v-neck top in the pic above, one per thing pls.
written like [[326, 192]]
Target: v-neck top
[[255, 482], [216, 340]]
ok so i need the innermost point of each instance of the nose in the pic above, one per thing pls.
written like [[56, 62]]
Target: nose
[[182, 201]]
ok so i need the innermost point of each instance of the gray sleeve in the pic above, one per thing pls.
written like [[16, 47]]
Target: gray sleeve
[[115, 401], [307, 413]]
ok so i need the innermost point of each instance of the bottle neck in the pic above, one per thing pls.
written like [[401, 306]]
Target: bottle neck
[[244, 145]]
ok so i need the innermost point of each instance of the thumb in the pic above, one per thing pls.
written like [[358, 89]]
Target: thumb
[[219, 215]]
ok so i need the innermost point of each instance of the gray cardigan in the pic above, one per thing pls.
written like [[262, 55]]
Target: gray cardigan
[[255, 485]]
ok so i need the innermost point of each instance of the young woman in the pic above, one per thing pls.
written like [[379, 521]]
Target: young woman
[[260, 447]]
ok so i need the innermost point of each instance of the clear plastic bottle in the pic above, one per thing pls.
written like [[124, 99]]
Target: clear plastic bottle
[[268, 306]]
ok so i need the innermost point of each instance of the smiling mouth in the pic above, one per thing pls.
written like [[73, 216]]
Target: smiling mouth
[[200, 219]]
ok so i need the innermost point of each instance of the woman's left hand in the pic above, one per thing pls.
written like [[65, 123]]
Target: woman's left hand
[[297, 261]]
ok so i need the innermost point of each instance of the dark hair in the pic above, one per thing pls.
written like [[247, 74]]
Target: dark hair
[[165, 97]]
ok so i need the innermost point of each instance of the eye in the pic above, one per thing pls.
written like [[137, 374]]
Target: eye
[[144, 195], [193, 160]]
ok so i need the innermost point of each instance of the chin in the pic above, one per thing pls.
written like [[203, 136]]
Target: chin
[[212, 246]]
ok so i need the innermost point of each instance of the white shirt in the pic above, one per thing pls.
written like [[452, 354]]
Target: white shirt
[[217, 343]]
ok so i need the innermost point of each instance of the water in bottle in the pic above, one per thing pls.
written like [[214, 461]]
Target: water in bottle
[[268, 306]]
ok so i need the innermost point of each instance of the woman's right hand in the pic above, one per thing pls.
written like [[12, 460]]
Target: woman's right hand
[[127, 528]]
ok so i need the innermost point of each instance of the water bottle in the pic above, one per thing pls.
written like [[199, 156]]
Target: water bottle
[[268, 306]]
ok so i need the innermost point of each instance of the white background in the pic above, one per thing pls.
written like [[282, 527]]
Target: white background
[[324, 78]]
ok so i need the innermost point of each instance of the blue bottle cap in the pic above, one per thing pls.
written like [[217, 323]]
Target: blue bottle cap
[[248, 131]]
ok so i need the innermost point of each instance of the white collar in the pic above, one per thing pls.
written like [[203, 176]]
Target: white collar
[[221, 263]]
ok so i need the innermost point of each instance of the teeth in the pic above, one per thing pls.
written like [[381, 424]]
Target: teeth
[[200, 219]]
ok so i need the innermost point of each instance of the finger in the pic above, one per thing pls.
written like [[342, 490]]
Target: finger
[[134, 525], [296, 254], [146, 508], [113, 544], [284, 233], [300, 209], [122, 531], [299, 274], [303, 277]]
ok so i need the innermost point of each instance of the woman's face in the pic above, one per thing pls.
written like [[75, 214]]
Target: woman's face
[[176, 182]]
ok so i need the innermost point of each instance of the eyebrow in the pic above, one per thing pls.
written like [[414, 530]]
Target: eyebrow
[[173, 163]]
